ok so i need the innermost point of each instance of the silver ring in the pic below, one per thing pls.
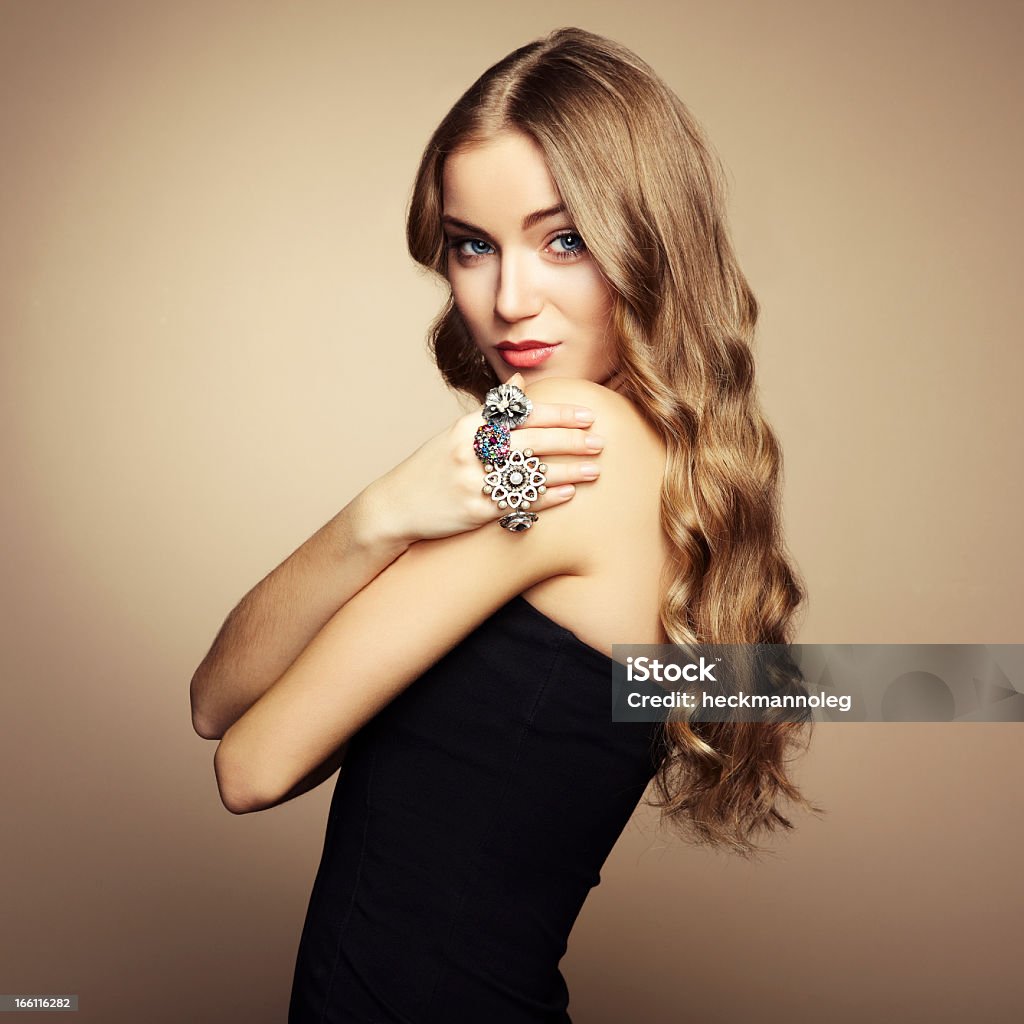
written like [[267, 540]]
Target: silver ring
[[516, 482], [518, 521], [507, 406], [514, 479]]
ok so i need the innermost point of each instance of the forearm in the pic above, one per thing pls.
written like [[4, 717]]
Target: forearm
[[320, 774], [278, 618]]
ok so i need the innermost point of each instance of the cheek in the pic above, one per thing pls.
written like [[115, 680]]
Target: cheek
[[596, 299], [469, 295]]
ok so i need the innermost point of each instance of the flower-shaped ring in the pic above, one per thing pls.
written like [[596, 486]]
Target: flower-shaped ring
[[506, 406], [518, 481]]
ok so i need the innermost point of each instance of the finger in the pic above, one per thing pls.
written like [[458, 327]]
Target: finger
[[561, 478], [557, 441], [570, 471], [551, 497], [560, 415]]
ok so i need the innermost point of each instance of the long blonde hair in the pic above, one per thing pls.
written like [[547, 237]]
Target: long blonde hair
[[645, 190]]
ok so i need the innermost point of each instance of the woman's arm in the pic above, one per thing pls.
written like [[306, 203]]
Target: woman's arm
[[281, 614], [321, 773], [390, 632], [285, 610]]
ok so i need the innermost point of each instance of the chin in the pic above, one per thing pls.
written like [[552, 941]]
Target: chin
[[531, 374]]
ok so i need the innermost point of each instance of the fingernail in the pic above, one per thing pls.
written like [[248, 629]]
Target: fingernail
[[584, 416], [590, 470], [595, 441], [565, 491]]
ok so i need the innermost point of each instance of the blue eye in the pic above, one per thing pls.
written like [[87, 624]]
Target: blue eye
[[470, 248], [572, 242], [574, 246], [570, 246]]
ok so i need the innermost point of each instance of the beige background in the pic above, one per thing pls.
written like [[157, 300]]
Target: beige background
[[205, 302]]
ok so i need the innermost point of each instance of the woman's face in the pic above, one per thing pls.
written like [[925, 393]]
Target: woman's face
[[522, 279]]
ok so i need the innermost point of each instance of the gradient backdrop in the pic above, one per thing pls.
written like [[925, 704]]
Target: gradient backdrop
[[205, 302]]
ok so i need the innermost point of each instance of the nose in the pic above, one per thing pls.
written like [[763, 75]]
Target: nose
[[519, 294]]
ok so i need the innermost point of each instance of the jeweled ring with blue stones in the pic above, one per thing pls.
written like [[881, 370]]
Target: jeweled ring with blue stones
[[517, 482], [490, 443]]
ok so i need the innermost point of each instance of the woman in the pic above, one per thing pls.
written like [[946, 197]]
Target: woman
[[461, 669]]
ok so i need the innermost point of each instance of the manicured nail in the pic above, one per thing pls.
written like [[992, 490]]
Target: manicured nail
[[590, 470], [565, 491], [584, 416], [595, 441]]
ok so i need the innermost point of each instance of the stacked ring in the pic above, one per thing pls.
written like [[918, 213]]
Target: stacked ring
[[514, 479], [517, 482], [506, 405], [518, 521], [490, 442]]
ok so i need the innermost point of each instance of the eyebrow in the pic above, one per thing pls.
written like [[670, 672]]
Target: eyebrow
[[528, 221]]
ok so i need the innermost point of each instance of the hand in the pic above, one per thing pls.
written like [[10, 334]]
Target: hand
[[438, 490]]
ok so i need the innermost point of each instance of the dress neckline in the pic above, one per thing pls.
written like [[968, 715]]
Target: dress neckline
[[565, 631]]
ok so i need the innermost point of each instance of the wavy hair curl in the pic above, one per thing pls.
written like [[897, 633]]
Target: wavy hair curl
[[644, 188]]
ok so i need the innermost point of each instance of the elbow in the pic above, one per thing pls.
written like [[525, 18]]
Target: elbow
[[203, 724], [204, 728], [234, 783], [227, 783]]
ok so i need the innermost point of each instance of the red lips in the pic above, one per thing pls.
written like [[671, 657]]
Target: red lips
[[525, 355]]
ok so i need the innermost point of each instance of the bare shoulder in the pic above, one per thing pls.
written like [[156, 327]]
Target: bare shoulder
[[627, 434], [625, 500], [612, 527], [575, 389]]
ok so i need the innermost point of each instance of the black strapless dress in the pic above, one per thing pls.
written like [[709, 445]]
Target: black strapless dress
[[469, 821]]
